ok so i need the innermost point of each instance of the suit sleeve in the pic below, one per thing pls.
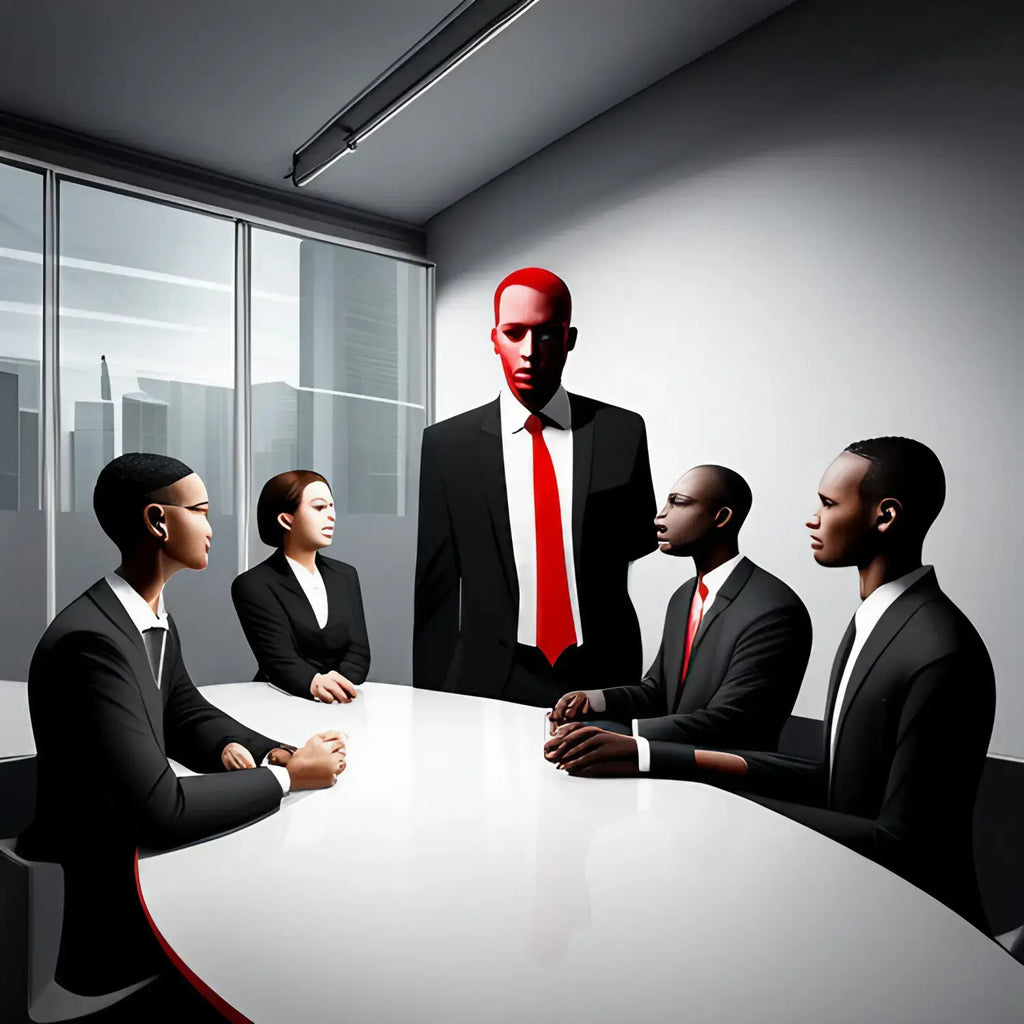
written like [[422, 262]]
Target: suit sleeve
[[641, 700], [436, 598], [934, 746], [785, 776], [760, 685], [355, 664], [132, 773], [265, 624], [195, 732], [639, 527]]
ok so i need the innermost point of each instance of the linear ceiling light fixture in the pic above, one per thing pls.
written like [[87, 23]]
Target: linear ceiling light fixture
[[471, 25]]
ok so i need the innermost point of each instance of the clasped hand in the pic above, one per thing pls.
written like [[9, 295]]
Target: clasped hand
[[591, 752], [315, 765], [332, 687]]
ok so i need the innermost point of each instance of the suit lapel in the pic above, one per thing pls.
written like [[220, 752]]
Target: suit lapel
[[888, 626], [334, 585], [725, 597], [134, 648], [492, 467], [838, 664], [582, 460], [675, 649], [297, 601]]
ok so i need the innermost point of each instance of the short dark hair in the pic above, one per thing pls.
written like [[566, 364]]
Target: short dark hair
[[124, 488], [906, 470], [733, 492], [281, 493]]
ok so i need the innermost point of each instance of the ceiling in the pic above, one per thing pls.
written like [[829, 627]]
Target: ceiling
[[234, 86]]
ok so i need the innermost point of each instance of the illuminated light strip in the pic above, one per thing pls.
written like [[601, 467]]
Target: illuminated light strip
[[25, 256], [403, 101]]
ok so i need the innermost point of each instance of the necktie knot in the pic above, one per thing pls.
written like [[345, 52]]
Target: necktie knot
[[534, 424], [702, 590]]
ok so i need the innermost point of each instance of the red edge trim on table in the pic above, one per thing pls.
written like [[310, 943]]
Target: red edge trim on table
[[219, 1004]]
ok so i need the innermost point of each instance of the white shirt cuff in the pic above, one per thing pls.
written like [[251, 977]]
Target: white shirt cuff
[[597, 701], [284, 780], [643, 749]]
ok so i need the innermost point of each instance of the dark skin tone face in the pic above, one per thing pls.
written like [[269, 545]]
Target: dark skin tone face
[[849, 529], [533, 339], [696, 521]]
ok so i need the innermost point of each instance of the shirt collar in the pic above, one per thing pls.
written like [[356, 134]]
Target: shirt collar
[[302, 574], [514, 414], [135, 605], [882, 597], [715, 579]]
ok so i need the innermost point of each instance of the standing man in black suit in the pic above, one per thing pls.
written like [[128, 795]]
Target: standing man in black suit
[[911, 697], [735, 643], [531, 509], [110, 700]]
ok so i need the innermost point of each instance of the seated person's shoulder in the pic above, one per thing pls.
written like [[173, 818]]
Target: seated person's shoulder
[[253, 579], [773, 591]]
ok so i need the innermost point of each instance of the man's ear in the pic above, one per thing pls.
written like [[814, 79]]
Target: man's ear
[[889, 510], [571, 342], [156, 525], [722, 516], [494, 338], [284, 520]]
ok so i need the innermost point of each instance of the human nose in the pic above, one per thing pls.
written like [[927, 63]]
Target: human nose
[[528, 347], [815, 520]]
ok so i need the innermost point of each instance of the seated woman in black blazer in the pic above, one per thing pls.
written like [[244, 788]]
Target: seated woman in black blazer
[[302, 613]]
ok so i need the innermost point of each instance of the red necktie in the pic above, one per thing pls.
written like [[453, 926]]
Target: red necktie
[[555, 629], [692, 625]]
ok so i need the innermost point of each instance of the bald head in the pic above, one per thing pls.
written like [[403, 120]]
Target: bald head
[[539, 280], [726, 489]]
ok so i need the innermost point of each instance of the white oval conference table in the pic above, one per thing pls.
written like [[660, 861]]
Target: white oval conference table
[[453, 875]]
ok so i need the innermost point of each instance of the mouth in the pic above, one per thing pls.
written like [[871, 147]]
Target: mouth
[[816, 545], [328, 532]]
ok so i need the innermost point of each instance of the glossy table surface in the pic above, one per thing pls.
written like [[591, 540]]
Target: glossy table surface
[[453, 875]]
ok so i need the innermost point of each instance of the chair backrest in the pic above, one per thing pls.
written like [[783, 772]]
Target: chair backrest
[[34, 892], [14, 929]]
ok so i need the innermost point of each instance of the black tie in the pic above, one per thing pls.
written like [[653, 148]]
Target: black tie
[[154, 638]]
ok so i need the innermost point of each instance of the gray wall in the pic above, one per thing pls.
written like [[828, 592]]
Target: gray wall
[[812, 235]]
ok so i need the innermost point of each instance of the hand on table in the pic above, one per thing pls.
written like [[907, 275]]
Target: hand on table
[[318, 762], [332, 687], [571, 705], [591, 752], [234, 756]]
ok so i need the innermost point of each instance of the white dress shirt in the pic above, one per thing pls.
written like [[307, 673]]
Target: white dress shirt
[[312, 584], [517, 455], [872, 608], [714, 581], [143, 618]]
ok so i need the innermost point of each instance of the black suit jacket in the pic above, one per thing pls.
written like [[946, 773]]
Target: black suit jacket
[[103, 733], [467, 588], [279, 623], [746, 665], [913, 734]]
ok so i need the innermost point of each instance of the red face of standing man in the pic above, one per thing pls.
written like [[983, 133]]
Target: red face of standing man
[[532, 335]]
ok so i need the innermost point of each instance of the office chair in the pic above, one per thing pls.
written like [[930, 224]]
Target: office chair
[[33, 900]]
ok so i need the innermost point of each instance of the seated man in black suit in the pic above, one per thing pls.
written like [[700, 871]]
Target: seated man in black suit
[[110, 700], [911, 698], [735, 643]]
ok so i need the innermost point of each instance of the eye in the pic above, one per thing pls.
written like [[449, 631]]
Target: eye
[[514, 332]]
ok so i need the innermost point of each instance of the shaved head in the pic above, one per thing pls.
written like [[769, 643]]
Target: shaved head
[[542, 281]]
